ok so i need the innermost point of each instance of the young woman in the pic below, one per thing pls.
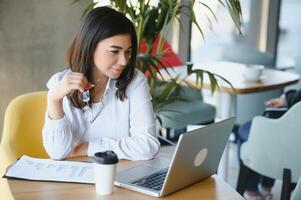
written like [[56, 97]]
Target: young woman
[[101, 102]]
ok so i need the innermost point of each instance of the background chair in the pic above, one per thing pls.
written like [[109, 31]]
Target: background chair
[[239, 53], [193, 111], [174, 117], [23, 123], [296, 195], [247, 55], [273, 150]]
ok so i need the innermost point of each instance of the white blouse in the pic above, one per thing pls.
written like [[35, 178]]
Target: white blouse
[[125, 127]]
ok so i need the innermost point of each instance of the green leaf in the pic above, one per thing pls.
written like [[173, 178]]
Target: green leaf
[[210, 10]]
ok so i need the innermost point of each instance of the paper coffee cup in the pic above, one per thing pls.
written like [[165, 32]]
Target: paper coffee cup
[[104, 171]]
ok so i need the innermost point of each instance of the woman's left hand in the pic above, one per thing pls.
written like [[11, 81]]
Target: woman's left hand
[[79, 150], [276, 103]]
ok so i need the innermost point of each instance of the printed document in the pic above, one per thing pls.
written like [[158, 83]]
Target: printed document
[[51, 170]]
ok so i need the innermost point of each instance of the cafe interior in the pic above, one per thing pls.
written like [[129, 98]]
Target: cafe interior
[[258, 60]]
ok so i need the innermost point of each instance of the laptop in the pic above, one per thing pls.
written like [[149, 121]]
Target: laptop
[[196, 157]]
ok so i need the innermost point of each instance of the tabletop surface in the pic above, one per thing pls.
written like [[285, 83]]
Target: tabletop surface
[[210, 188], [233, 72]]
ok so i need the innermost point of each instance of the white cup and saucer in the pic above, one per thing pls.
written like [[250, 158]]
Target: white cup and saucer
[[253, 73]]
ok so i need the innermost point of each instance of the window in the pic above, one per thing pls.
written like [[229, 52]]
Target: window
[[290, 33], [217, 32]]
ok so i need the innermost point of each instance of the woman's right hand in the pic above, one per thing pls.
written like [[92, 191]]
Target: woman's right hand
[[72, 81]]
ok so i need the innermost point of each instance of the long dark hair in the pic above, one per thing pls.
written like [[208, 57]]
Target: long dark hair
[[99, 24]]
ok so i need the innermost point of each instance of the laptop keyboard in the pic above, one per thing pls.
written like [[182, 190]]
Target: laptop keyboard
[[154, 181]]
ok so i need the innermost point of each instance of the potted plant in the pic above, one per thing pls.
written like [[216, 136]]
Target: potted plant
[[152, 22]]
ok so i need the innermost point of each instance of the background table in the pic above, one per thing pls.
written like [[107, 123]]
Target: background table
[[246, 99], [272, 81]]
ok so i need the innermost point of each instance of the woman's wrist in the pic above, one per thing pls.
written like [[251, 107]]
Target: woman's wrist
[[55, 108], [80, 150], [54, 97]]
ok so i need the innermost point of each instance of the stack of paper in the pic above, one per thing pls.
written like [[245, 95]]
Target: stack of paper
[[50, 170]]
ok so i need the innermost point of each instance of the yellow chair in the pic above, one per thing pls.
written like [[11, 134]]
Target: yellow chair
[[23, 123], [5, 192]]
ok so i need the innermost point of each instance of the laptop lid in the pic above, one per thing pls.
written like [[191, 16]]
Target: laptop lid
[[197, 155]]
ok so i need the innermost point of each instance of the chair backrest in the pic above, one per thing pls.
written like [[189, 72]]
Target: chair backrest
[[190, 93], [246, 55], [296, 195], [274, 144], [239, 53], [23, 123], [297, 63], [169, 58]]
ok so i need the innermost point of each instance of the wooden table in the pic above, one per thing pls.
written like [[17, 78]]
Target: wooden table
[[211, 188]]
